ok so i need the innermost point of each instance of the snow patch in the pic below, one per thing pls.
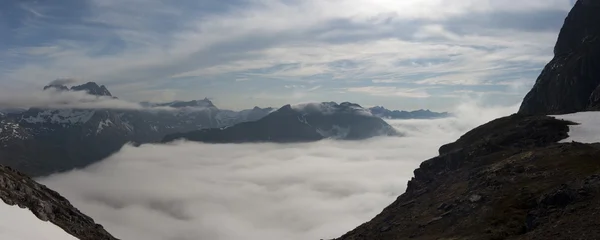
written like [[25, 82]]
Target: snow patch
[[20, 224], [302, 119], [312, 107], [336, 132], [588, 130], [62, 116], [228, 117], [130, 127], [11, 131], [328, 108], [103, 124]]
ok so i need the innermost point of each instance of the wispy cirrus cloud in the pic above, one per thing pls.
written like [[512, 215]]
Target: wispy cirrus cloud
[[390, 92], [203, 48]]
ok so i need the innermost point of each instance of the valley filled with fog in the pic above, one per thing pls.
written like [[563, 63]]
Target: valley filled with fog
[[318, 190]]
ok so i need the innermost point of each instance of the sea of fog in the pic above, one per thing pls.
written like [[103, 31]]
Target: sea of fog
[[319, 190]]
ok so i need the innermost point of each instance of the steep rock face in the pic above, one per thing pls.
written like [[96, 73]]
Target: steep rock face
[[570, 81], [47, 205], [311, 123], [508, 179]]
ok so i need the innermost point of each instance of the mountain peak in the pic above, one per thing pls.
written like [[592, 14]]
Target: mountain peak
[[89, 87], [349, 104], [58, 87], [204, 103], [93, 89], [285, 108]]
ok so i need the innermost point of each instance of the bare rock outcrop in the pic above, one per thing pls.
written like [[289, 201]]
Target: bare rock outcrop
[[18, 189]]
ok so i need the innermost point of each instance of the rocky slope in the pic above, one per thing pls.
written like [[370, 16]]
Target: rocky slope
[[511, 178], [307, 123], [18, 189], [570, 82], [44, 141], [508, 179]]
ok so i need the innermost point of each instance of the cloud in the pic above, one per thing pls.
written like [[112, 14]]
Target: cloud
[[188, 46], [390, 92], [64, 81], [67, 99], [326, 108], [304, 191]]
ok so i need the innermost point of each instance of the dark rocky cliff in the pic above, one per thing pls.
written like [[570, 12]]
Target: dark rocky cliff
[[507, 179], [18, 189], [510, 178], [570, 82]]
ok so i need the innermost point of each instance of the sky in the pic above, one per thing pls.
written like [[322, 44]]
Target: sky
[[317, 190], [405, 54]]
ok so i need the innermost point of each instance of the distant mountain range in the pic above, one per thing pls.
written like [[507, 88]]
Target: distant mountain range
[[395, 114], [44, 141], [4, 111], [311, 122]]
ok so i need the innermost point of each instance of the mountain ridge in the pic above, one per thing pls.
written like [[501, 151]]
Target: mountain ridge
[[40, 141], [299, 123], [385, 113]]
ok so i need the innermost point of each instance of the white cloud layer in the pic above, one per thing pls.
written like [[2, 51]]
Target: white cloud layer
[[63, 99], [68, 100], [186, 190]]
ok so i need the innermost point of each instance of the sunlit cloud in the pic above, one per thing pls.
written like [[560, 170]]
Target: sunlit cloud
[[391, 92], [216, 48]]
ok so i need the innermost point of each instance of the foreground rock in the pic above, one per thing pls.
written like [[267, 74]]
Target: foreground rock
[[312, 122], [18, 189], [571, 81], [508, 179]]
